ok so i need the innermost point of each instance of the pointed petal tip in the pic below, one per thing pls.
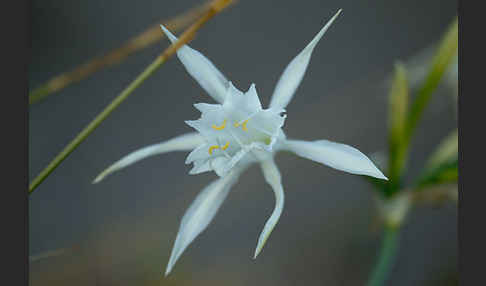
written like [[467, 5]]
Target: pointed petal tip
[[257, 251], [167, 270], [169, 35], [99, 178], [231, 85], [105, 173], [336, 15], [379, 175], [333, 18], [164, 29], [293, 74]]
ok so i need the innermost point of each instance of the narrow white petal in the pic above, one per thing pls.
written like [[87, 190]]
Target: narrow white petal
[[201, 69], [218, 164], [242, 104], [180, 143], [206, 107], [200, 213], [294, 72], [229, 164], [199, 153], [272, 176], [200, 167], [339, 156]]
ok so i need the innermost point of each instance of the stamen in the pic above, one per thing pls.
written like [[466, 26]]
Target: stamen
[[211, 149], [243, 125], [225, 146], [215, 127]]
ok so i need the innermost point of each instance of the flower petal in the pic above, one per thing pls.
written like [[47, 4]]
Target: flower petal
[[222, 165], [199, 153], [295, 70], [200, 166], [268, 121], [201, 69], [208, 108], [200, 213], [180, 143], [272, 176], [241, 105], [213, 115], [339, 156]]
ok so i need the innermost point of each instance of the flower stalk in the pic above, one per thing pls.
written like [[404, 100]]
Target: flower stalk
[[387, 252]]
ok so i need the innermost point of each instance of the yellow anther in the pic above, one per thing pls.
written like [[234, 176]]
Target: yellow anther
[[215, 127], [243, 126], [211, 149], [225, 146], [218, 147]]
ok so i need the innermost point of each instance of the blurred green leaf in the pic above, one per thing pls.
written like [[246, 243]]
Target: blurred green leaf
[[446, 151], [446, 172], [436, 195], [397, 116], [446, 52]]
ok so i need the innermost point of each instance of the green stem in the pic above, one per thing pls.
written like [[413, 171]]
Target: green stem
[[95, 122], [215, 7], [387, 252]]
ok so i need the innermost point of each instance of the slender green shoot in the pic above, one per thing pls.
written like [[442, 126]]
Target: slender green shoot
[[446, 52], [385, 258], [398, 104]]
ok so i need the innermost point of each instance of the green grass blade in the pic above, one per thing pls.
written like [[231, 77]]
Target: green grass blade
[[447, 150], [397, 114], [446, 172], [446, 52]]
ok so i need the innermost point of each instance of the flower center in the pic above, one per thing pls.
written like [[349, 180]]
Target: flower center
[[221, 127], [243, 125], [238, 129], [218, 147]]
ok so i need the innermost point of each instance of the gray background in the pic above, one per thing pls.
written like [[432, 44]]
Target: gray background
[[121, 231]]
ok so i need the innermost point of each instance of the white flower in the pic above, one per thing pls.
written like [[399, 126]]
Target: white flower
[[236, 132]]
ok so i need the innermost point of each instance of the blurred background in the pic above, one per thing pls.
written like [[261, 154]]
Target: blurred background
[[121, 231]]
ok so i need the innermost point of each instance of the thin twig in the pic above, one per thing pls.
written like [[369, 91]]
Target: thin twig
[[215, 7], [116, 56]]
